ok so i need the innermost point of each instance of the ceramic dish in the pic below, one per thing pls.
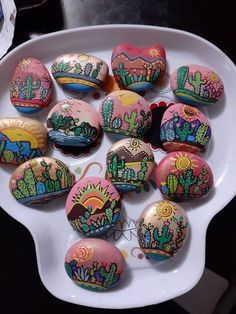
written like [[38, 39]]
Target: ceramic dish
[[146, 282]]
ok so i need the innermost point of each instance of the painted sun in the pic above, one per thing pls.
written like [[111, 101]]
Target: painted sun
[[183, 162], [165, 210], [134, 144], [154, 52], [190, 112]]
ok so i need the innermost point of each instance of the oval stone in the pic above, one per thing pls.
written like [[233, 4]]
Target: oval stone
[[196, 85], [129, 164], [73, 122], [184, 127], [40, 180], [21, 139], [93, 206], [162, 230], [183, 176], [138, 68], [125, 114], [31, 86], [80, 72], [94, 264]]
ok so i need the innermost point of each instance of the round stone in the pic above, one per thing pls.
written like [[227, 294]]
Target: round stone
[[40, 180], [183, 176], [196, 85], [125, 114], [73, 122], [94, 264], [31, 86], [21, 139], [80, 72], [129, 164], [162, 229], [93, 206], [184, 127]]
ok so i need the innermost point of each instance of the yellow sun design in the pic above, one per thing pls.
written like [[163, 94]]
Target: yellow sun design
[[128, 98], [134, 144], [214, 77], [154, 52], [83, 57], [183, 161], [190, 111], [165, 210]]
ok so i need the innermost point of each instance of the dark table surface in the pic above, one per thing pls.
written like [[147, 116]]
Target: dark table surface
[[21, 288]]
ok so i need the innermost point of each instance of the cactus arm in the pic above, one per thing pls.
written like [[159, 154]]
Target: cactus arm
[[131, 120]]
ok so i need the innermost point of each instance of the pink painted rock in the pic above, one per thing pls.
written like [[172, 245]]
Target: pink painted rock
[[167, 226], [182, 176], [80, 72], [196, 85], [184, 127], [31, 86], [40, 180], [125, 114], [73, 122], [129, 164], [94, 264], [93, 206], [138, 68]]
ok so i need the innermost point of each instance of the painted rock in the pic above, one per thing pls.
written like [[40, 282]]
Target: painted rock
[[196, 85], [184, 127], [73, 122], [21, 139], [125, 114], [137, 68], [183, 176], [31, 86], [40, 180], [94, 264], [129, 164], [93, 206], [80, 72], [162, 229]]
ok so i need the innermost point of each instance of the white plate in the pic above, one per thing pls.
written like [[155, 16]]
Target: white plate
[[146, 282]]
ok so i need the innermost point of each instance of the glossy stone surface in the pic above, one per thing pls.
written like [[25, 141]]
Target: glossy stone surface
[[94, 264], [162, 229], [129, 164], [183, 176], [93, 206], [184, 127], [80, 72], [21, 139], [138, 68], [40, 180], [73, 122], [31, 86], [125, 114], [196, 85]]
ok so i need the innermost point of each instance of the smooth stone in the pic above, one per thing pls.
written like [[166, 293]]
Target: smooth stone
[[186, 128], [129, 164], [80, 72], [138, 68], [94, 264], [74, 123], [40, 180], [183, 176], [31, 86], [93, 206], [125, 114], [21, 139], [196, 85], [162, 230]]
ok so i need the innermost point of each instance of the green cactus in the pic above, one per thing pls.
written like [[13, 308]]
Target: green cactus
[[22, 187], [128, 174], [201, 137], [98, 68], [115, 165], [141, 173], [165, 237], [2, 146], [184, 131], [110, 211], [187, 179], [29, 86], [203, 179], [172, 183], [156, 75], [110, 275], [17, 194], [107, 110], [131, 120], [30, 181], [62, 66], [58, 180], [49, 186], [88, 69], [122, 73], [196, 81], [78, 69], [116, 123], [67, 176], [182, 76], [8, 156], [58, 120]]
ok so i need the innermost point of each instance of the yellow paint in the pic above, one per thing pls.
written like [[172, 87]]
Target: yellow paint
[[18, 134], [154, 52], [127, 99], [69, 80]]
